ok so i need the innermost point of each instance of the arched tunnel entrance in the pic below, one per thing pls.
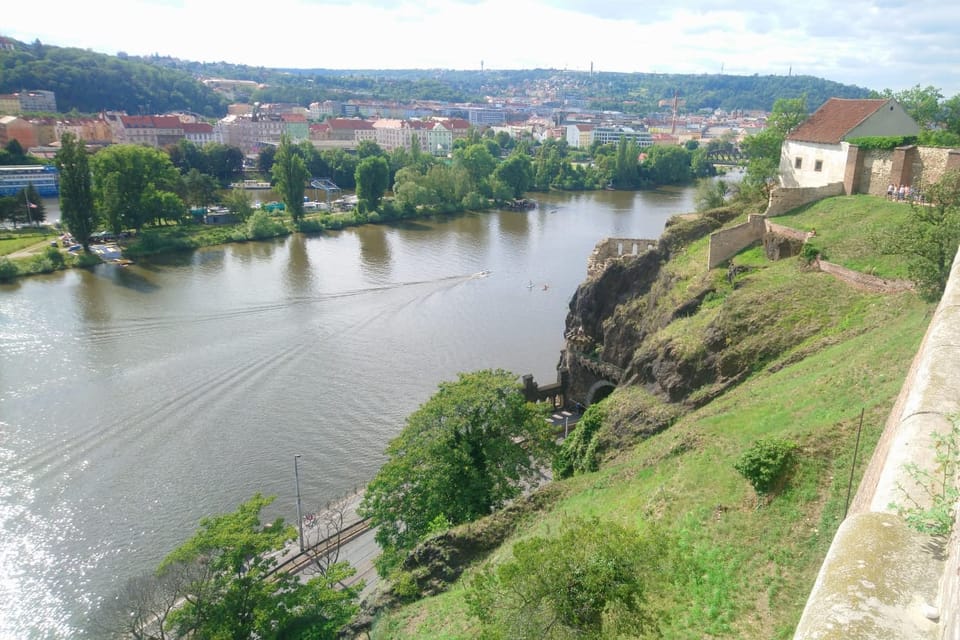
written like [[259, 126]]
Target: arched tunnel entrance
[[600, 390]]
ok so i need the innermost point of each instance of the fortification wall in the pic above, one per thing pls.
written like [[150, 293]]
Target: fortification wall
[[912, 165], [864, 281], [726, 243], [615, 249], [880, 578], [783, 200]]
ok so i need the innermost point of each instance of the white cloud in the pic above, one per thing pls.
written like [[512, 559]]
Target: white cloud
[[872, 43]]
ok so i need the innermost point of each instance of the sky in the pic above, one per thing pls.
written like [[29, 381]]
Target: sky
[[877, 44]]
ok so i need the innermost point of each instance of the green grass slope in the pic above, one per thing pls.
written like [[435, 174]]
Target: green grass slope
[[827, 351]]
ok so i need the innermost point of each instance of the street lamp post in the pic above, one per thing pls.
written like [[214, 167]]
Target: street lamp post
[[296, 475]]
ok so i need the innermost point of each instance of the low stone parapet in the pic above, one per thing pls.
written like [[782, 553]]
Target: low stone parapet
[[880, 579]]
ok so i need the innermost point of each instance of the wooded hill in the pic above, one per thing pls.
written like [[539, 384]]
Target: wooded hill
[[88, 82]]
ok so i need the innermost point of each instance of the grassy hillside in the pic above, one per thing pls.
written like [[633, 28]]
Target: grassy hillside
[[820, 353]]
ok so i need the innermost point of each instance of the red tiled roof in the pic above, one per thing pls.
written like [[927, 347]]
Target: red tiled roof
[[197, 127], [456, 123], [349, 123], [835, 119], [151, 122], [293, 117]]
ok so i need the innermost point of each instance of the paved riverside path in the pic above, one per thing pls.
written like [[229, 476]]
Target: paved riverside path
[[360, 550]]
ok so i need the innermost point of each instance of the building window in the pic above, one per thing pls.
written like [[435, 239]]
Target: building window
[[818, 165], [797, 162]]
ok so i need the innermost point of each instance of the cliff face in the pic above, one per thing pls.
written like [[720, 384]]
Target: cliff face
[[616, 313]]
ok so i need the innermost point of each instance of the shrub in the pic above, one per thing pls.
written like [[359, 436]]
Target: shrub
[[261, 225], [578, 453], [933, 511], [765, 463], [8, 270]]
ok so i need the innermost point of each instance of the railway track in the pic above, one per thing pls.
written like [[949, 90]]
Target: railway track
[[296, 563]]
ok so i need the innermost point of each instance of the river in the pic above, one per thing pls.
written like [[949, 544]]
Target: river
[[136, 400]]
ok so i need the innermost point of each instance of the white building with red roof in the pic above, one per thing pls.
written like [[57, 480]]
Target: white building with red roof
[[815, 153]]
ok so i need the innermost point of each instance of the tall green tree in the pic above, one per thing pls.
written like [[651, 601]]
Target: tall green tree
[[123, 175], [372, 178], [516, 172], [237, 595], [199, 188], [76, 189], [290, 176], [462, 454], [479, 163]]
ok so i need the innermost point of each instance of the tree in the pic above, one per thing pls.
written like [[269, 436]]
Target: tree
[[590, 581], [238, 203], [763, 149], [930, 237], [462, 454], [516, 172], [710, 194], [224, 162], [478, 162], [290, 175], [667, 164], [265, 159], [372, 178], [76, 189], [922, 103], [123, 175], [199, 188], [234, 592], [626, 170]]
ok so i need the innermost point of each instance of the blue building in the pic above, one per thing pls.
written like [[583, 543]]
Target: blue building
[[44, 178]]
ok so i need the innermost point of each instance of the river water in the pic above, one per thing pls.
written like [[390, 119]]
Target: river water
[[136, 400]]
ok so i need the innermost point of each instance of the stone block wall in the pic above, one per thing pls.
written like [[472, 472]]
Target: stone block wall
[[912, 165], [614, 249], [784, 200], [728, 242]]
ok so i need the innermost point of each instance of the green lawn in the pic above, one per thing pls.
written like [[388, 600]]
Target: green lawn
[[827, 352]]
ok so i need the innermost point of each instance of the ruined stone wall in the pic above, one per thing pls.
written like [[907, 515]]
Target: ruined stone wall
[[864, 281], [614, 249], [783, 200], [726, 243]]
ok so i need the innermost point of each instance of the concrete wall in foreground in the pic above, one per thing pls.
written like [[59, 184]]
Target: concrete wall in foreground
[[880, 578]]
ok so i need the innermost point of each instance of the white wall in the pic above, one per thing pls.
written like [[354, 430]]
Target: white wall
[[832, 156]]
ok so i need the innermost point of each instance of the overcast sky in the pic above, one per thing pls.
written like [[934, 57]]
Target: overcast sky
[[878, 44]]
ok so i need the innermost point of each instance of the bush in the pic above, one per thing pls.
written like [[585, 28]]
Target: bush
[[578, 453], [262, 226], [8, 270], [765, 463]]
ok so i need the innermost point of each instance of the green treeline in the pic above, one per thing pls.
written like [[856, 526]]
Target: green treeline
[[89, 82]]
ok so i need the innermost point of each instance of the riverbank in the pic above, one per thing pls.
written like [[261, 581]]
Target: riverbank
[[40, 257]]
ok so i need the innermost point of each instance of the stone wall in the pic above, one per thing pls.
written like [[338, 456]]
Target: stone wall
[[880, 578], [912, 165], [783, 200], [726, 243], [614, 249], [862, 280]]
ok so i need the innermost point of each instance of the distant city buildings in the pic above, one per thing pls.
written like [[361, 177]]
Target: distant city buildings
[[535, 113]]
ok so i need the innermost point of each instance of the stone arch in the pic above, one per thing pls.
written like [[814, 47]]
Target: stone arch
[[600, 390]]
